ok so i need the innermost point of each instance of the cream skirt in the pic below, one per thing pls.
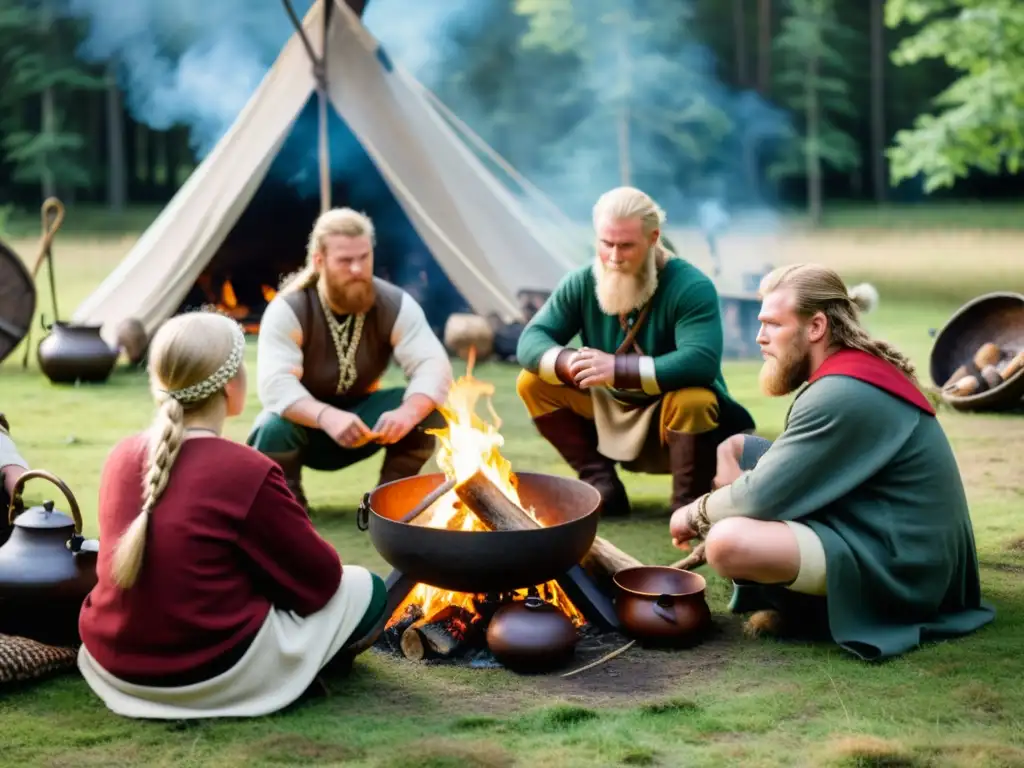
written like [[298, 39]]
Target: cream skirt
[[278, 667]]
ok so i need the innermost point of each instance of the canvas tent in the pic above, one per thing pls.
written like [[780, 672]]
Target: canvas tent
[[476, 230]]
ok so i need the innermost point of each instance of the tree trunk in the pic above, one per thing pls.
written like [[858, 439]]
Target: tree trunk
[[48, 184], [764, 53], [739, 26], [625, 165], [812, 140], [878, 161], [117, 181]]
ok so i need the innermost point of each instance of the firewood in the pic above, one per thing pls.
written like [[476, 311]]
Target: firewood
[[427, 501], [604, 559], [412, 614], [1014, 366], [447, 633], [495, 510], [987, 354], [499, 513]]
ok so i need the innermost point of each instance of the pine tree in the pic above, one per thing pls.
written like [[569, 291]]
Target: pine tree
[[810, 77]]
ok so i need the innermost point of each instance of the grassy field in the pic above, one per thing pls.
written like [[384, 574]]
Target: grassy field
[[731, 701]]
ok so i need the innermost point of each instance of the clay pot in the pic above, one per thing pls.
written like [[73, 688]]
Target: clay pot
[[71, 353], [659, 605], [531, 636]]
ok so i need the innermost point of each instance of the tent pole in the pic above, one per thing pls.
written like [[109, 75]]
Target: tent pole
[[321, 82], [320, 74]]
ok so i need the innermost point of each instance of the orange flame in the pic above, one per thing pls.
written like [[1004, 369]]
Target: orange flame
[[227, 295], [468, 444], [268, 293]]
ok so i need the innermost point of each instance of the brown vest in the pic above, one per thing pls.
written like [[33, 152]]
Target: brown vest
[[320, 366]]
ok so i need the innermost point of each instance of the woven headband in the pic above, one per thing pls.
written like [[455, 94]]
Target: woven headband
[[216, 381]]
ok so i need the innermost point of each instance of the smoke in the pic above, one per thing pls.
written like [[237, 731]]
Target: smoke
[[637, 99]]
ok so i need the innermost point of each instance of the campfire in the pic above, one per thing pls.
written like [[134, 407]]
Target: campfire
[[225, 299], [480, 494]]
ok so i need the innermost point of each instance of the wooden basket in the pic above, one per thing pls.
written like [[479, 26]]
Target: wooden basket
[[994, 317]]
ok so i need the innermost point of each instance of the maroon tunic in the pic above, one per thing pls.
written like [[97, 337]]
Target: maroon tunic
[[226, 541]]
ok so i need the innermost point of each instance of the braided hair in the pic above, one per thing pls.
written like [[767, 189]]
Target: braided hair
[[817, 288], [192, 358]]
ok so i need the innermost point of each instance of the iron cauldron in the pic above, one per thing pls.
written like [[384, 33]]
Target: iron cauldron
[[996, 318], [476, 562]]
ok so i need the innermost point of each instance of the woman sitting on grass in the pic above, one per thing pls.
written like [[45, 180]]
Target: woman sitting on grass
[[216, 596]]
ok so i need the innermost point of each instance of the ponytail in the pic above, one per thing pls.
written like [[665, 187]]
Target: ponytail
[[167, 433]]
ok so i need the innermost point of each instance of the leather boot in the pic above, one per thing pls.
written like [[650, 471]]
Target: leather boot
[[575, 438], [291, 464], [407, 457], [692, 459]]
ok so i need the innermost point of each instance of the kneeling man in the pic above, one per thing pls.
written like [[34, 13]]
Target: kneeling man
[[325, 340], [853, 524], [646, 388]]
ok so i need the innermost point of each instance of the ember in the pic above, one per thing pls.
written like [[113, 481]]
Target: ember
[[468, 445]]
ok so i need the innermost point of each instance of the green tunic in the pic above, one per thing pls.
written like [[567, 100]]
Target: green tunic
[[876, 479], [681, 336]]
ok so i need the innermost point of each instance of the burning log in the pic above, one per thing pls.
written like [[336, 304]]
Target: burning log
[[412, 614], [499, 513], [495, 510], [447, 633], [427, 501]]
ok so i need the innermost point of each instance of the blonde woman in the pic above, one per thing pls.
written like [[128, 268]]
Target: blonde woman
[[216, 596]]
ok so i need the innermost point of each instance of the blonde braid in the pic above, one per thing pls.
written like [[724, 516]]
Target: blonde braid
[[166, 436]]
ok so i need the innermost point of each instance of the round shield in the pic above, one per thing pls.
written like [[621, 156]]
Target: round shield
[[17, 300]]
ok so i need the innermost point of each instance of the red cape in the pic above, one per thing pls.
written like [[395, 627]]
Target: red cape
[[873, 370]]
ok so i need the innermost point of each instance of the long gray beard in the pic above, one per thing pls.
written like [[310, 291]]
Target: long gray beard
[[618, 293]]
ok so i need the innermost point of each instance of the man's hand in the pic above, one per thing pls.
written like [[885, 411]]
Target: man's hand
[[392, 426], [681, 527], [344, 428], [727, 468], [592, 368]]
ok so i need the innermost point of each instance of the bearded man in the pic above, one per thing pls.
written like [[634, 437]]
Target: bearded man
[[646, 388], [325, 340], [853, 525]]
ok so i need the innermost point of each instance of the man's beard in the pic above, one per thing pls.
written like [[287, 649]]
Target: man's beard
[[780, 376], [352, 298], [619, 293]]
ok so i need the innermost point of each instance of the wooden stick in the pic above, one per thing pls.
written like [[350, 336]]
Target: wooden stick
[[494, 508], [429, 499], [606, 559]]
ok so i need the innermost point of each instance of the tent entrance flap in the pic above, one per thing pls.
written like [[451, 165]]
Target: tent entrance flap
[[270, 238]]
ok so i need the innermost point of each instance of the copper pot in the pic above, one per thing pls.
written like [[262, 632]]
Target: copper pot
[[46, 568], [531, 635], [659, 605], [71, 353]]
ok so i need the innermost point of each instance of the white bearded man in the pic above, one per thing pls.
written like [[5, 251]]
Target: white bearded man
[[325, 340], [646, 389]]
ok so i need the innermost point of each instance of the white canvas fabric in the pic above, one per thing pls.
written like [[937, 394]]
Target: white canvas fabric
[[476, 230]]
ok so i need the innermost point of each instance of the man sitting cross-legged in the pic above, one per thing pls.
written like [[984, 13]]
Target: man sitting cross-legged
[[325, 340], [853, 524], [646, 388]]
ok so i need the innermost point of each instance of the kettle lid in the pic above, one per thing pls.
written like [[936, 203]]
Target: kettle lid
[[44, 517]]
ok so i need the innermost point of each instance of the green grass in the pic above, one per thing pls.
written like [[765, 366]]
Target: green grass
[[731, 702]]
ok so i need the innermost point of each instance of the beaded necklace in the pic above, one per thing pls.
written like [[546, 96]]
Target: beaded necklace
[[346, 342]]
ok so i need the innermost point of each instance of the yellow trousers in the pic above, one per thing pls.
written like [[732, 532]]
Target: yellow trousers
[[693, 411]]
